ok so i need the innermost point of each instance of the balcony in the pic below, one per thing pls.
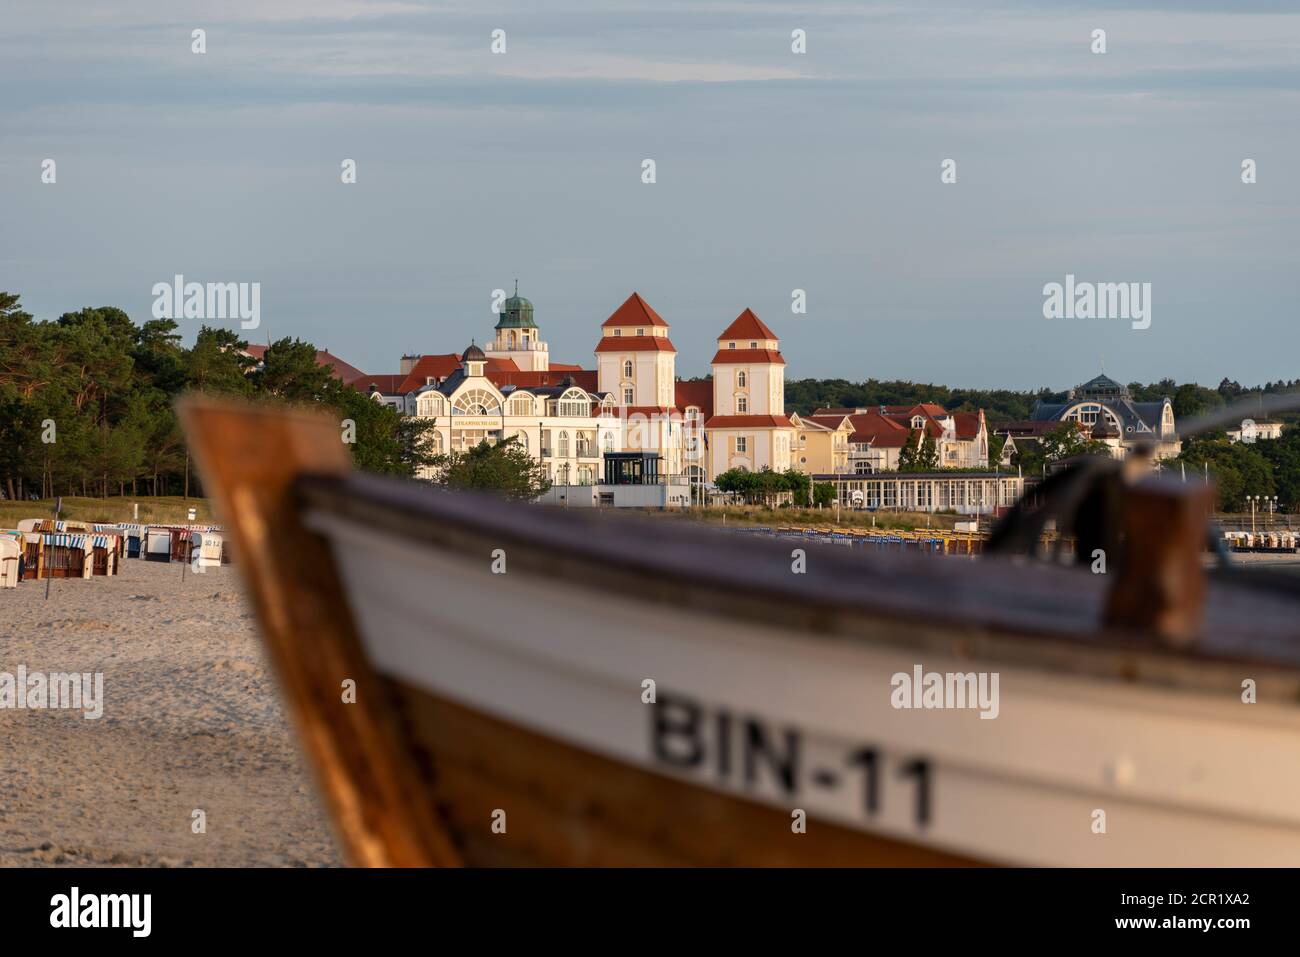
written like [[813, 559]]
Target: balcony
[[533, 346]]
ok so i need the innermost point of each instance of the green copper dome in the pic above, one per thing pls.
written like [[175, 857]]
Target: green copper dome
[[517, 313]]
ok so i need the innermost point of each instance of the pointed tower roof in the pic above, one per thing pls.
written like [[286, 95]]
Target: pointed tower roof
[[635, 311], [748, 326]]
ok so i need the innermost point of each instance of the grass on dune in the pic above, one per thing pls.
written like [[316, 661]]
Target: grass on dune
[[169, 510]]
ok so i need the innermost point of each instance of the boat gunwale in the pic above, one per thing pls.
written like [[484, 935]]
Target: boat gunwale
[[1060, 629]]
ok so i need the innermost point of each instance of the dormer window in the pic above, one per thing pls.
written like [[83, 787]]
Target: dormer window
[[917, 421], [753, 345], [731, 345], [640, 332], [618, 332]]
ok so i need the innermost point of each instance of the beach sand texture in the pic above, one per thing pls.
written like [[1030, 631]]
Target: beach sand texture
[[192, 720]]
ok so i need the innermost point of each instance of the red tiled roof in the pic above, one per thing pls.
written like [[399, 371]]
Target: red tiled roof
[[635, 344], [746, 356], [582, 378], [966, 424], [437, 367], [565, 367], [881, 431], [635, 311], [747, 326], [929, 425], [831, 422], [340, 369], [388, 384], [441, 366], [921, 408], [698, 394], [748, 422]]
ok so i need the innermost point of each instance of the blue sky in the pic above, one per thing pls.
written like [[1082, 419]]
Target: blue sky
[[775, 171]]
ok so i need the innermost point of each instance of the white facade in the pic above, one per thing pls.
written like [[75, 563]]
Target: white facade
[[633, 408], [568, 432]]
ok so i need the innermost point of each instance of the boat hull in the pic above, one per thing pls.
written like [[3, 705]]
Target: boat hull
[[567, 806], [784, 722]]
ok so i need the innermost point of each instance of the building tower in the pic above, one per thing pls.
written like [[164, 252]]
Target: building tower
[[749, 428], [635, 361], [517, 336]]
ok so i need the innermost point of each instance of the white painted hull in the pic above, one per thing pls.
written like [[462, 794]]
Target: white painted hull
[[1184, 778]]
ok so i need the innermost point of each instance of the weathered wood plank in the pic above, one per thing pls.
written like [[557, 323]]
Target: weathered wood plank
[[249, 457], [1159, 582], [567, 806]]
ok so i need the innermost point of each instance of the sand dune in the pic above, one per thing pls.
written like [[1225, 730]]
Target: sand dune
[[191, 720]]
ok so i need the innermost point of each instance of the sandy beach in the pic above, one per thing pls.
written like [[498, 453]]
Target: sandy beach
[[191, 720]]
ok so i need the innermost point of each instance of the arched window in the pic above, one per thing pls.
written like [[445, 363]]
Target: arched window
[[437, 442], [741, 379], [584, 475], [575, 402], [477, 402], [1090, 412], [522, 439], [627, 369], [564, 445], [607, 441]]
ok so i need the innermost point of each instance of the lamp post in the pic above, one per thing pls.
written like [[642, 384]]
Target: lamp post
[[1254, 500]]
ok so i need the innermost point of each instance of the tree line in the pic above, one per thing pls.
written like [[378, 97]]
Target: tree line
[[86, 401], [1006, 405]]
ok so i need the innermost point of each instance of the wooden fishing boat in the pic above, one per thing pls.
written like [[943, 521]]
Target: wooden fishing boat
[[479, 682]]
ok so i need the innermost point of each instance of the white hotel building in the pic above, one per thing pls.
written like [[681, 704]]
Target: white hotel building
[[627, 432]]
